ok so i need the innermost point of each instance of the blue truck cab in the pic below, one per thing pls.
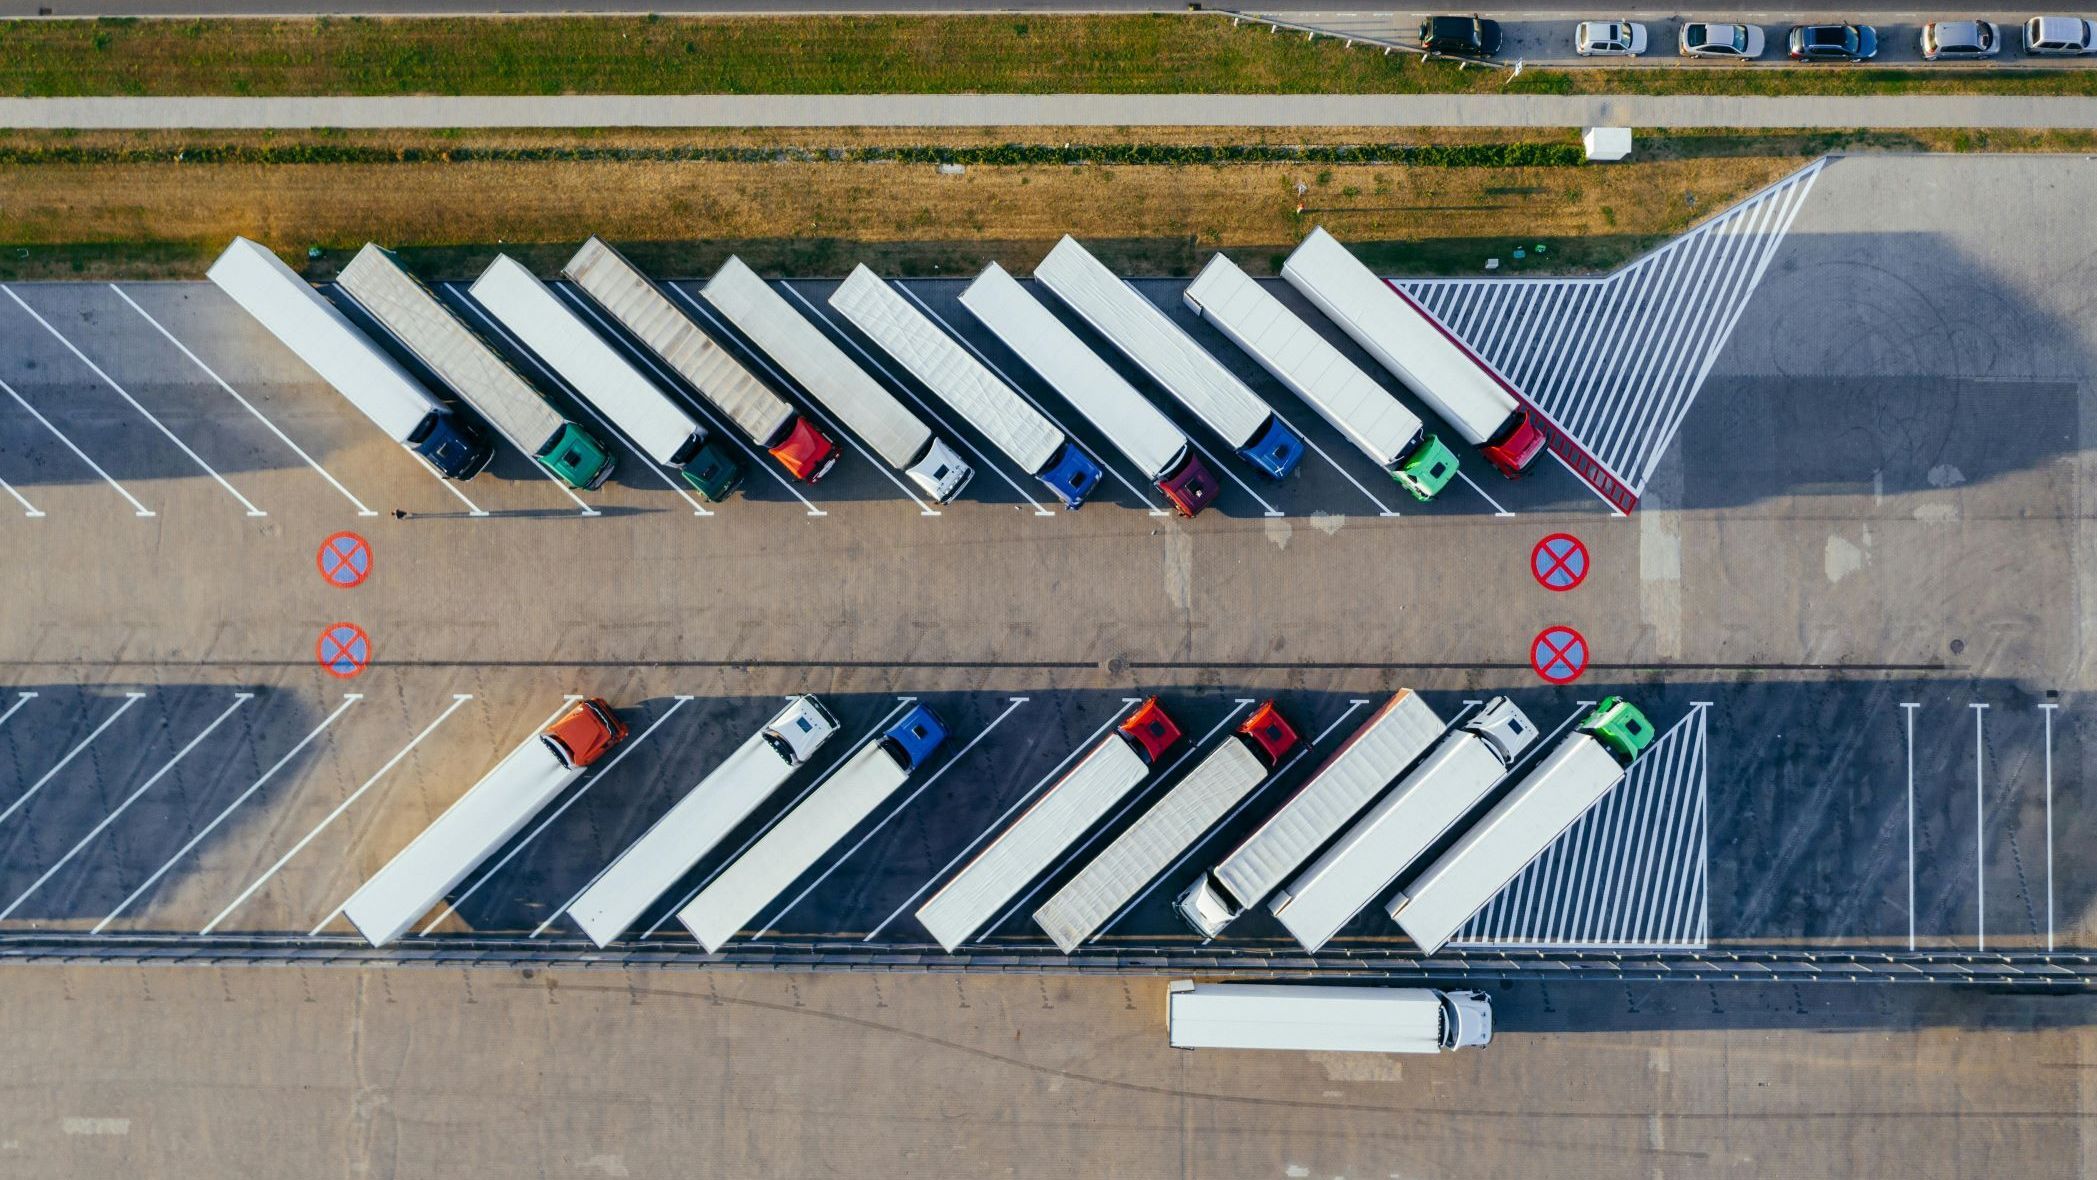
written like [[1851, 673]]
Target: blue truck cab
[[913, 739], [1071, 475], [455, 449], [1276, 450]]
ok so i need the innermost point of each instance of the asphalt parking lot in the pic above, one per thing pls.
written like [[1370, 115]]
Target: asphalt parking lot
[[1856, 577]]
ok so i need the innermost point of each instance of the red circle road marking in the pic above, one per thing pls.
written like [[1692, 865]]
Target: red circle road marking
[[344, 559], [343, 650], [1559, 562], [1558, 654]]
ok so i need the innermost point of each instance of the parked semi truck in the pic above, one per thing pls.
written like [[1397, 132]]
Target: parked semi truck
[[823, 370], [1575, 776], [655, 422], [1350, 400], [963, 382], [1147, 437], [1393, 737], [314, 329], [770, 421], [815, 825], [476, 372], [1321, 1018], [483, 820], [1055, 821], [1171, 358], [1219, 782], [700, 820], [1418, 351], [1428, 802]]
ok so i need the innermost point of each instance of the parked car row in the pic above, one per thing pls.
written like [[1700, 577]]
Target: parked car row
[[1948, 40]]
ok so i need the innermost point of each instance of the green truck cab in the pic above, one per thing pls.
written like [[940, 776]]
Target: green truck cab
[[1427, 470], [577, 457], [713, 469], [1620, 728]]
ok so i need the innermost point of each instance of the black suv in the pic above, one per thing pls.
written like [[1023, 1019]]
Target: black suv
[[1460, 36], [1833, 42]]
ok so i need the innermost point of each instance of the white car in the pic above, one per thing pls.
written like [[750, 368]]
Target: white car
[[2059, 36], [1609, 38], [1739, 42]]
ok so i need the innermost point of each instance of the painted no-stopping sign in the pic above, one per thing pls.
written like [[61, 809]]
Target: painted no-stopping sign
[[344, 559], [1559, 654], [343, 650], [1559, 562]]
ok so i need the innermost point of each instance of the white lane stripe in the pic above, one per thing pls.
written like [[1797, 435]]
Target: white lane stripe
[[983, 460], [450, 485], [827, 774], [457, 700], [1648, 863], [1266, 784], [239, 699], [1581, 403], [1677, 863], [787, 386], [138, 508], [1680, 914], [629, 747], [1685, 294], [1530, 313], [126, 395], [23, 698], [893, 812], [671, 383], [348, 699], [28, 509], [1016, 387], [362, 509], [1498, 314], [531, 459], [646, 460], [997, 825], [130, 699], [1640, 345]]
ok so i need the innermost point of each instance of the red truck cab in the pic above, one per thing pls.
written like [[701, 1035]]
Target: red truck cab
[[1150, 730], [584, 733], [1269, 735], [805, 451], [1517, 447]]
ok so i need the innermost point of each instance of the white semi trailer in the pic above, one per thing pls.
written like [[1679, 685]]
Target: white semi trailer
[[815, 825], [481, 821], [1417, 350], [962, 381], [1064, 812], [1223, 778], [303, 320], [770, 421], [701, 820], [1171, 358], [1575, 776], [457, 355], [1366, 763], [1350, 400], [1326, 1019], [1429, 801], [657, 424], [1131, 423], [900, 437]]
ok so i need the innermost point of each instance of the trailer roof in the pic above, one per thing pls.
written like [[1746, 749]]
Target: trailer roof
[[604, 378], [948, 370], [809, 357], [1348, 399], [320, 335], [639, 305], [1138, 328], [453, 351], [1303, 1017]]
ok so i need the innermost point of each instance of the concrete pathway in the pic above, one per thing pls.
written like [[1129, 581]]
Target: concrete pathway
[[1052, 110]]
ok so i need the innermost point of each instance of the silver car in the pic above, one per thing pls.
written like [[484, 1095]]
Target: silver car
[[1959, 39], [2059, 36], [1739, 42], [1609, 38]]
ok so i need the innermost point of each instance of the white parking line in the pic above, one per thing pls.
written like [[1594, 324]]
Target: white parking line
[[1233, 813], [1498, 510], [457, 699], [130, 699], [28, 509], [784, 384], [537, 466], [362, 510], [1157, 786], [997, 825], [1908, 708], [126, 395], [1155, 508], [348, 699], [897, 384], [820, 779], [2046, 711], [472, 509], [671, 383], [1980, 832], [895, 811], [628, 748], [139, 509], [21, 698], [239, 699]]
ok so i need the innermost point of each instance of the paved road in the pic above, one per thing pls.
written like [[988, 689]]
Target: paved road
[[89, 8], [1051, 110]]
